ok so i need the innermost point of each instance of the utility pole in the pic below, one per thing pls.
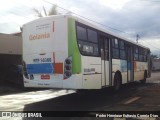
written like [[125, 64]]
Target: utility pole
[[137, 38]]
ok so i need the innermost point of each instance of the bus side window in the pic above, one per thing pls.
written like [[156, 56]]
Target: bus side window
[[92, 36], [87, 40], [88, 48], [145, 55], [81, 33], [135, 53], [140, 54], [115, 48], [122, 50]]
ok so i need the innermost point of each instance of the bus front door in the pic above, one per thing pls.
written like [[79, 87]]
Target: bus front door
[[104, 50]]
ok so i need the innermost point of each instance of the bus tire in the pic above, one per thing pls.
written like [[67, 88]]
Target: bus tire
[[117, 81], [145, 77]]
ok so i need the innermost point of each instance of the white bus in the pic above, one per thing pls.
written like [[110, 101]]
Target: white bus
[[67, 52]]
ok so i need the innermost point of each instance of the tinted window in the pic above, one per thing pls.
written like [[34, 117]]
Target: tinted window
[[144, 55], [122, 54], [136, 53], [88, 48], [122, 50], [81, 33], [140, 57], [92, 36], [140, 51], [145, 51], [113, 43], [116, 43], [121, 44], [144, 58], [136, 49], [115, 53], [135, 56], [87, 40], [115, 50]]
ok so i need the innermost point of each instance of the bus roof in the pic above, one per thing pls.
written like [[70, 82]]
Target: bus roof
[[83, 21]]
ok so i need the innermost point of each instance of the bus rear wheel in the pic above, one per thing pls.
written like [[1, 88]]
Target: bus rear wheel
[[117, 82]]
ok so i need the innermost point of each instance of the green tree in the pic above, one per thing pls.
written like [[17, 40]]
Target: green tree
[[52, 11], [154, 56]]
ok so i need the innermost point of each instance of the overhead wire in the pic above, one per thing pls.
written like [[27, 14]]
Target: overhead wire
[[107, 26], [150, 44], [84, 18], [98, 22], [88, 18]]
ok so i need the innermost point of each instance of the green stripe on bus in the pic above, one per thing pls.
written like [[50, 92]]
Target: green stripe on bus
[[73, 49]]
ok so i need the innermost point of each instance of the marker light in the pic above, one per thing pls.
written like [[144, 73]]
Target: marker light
[[68, 68]]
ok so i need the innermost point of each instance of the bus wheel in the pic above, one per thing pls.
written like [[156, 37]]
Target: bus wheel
[[145, 77], [117, 82]]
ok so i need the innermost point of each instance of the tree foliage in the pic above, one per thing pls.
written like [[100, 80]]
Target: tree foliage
[[154, 56], [53, 11], [38, 13]]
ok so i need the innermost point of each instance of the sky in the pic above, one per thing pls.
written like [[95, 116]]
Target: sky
[[127, 18]]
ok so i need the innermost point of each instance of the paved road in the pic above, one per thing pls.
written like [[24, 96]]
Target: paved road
[[132, 97]]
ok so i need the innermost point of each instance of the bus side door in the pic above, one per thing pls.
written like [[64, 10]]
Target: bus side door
[[104, 51], [130, 62]]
